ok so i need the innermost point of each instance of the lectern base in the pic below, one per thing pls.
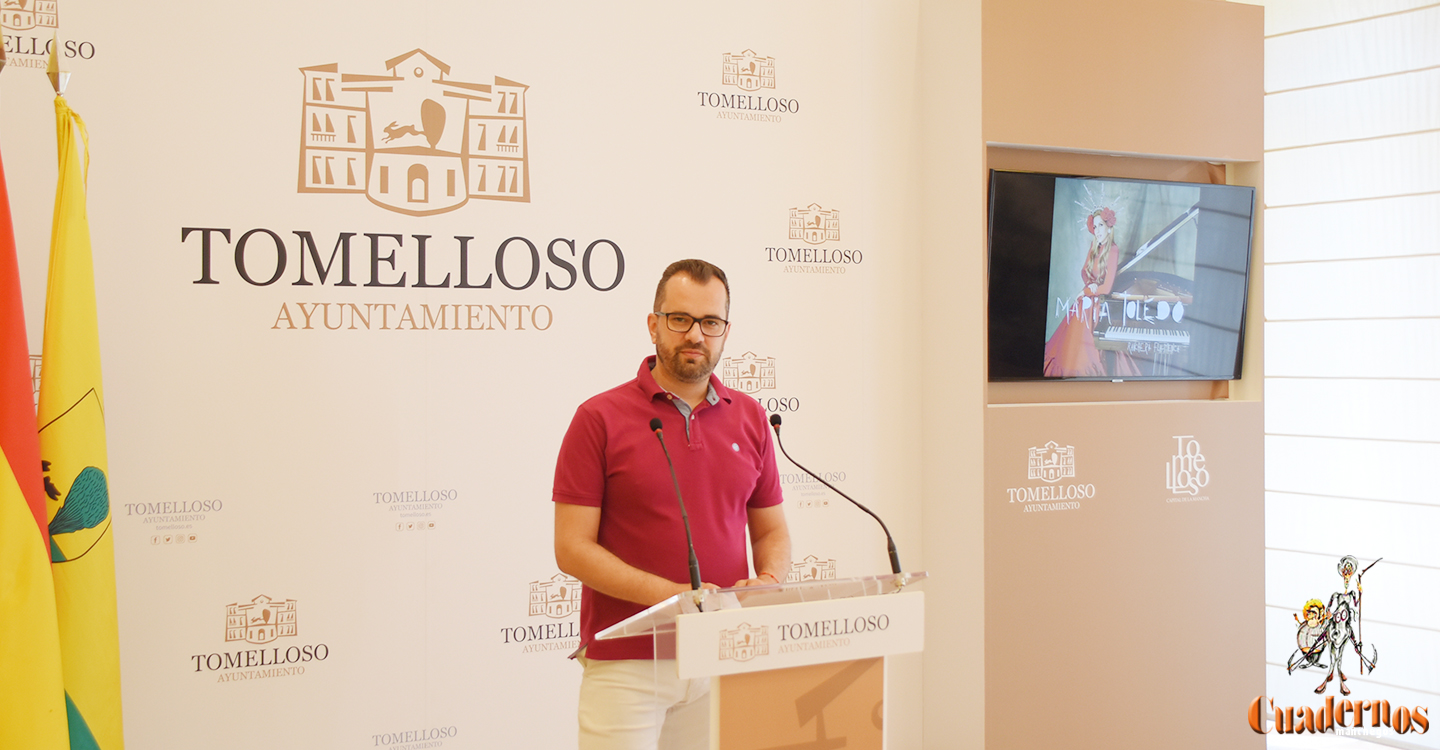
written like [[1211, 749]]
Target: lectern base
[[815, 707]]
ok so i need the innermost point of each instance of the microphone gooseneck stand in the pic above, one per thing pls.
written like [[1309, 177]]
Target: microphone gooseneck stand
[[889, 540]]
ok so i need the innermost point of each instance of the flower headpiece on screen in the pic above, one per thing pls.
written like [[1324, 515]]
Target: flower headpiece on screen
[[1097, 205], [1106, 215]]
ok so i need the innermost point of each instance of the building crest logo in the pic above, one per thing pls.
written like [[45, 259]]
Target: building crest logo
[[745, 642], [260, 621], [556, 598], [812, 568], [413, 141], [1052, 462], [748, 71], [23, 15], [748, 373], [814, 225]]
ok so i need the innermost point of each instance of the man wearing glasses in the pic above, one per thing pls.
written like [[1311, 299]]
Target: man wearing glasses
[[617, 521]]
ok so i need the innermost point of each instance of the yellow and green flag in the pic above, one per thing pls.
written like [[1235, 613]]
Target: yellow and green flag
[[72, 452], [32, 692]]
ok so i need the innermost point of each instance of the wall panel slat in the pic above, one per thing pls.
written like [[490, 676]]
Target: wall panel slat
[[1377, 46], [1376, 409], [1289, 16], [1397, 532], [1378, 288], [1363, 229], [1402, 165], [1407, 348], [1373, 107], [1351, 468]]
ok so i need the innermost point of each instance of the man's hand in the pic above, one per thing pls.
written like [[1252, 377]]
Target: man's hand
[[762, 579]]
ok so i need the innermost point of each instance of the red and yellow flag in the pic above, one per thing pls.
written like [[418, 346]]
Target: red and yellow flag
[[32, 693], [72, 449]]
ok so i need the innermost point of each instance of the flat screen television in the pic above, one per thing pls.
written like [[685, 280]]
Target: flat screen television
[[1102, 278]]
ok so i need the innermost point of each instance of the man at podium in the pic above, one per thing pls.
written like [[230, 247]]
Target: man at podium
[[618, 522]]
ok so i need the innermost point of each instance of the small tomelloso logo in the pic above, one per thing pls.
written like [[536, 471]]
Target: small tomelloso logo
[[812, 568], [747, 71], [815, 225], [748, 373], [1052, 462], [1185, 472], [556, 598], [413, 141], [745, 642], [260, 621], [750, 73]]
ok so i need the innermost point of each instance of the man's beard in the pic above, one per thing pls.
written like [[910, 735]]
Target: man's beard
[[685, 370]]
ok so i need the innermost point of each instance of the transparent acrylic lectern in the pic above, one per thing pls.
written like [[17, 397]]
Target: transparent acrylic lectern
[[795, 665]]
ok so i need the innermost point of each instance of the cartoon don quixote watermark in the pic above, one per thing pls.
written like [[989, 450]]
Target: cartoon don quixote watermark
[[1325, 632], [1333, 627]]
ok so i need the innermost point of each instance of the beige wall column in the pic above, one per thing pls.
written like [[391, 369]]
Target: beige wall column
[[950, 357], [1155, 89]]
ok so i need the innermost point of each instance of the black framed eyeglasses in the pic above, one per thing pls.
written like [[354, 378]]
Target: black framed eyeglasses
[[680, 322]]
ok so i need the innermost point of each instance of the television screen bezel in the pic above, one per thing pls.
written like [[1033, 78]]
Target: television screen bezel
[[1038, 370]]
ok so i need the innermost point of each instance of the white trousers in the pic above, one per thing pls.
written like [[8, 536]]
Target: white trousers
[[639, 704]]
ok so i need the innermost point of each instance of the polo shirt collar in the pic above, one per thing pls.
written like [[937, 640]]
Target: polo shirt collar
[[714, 390]]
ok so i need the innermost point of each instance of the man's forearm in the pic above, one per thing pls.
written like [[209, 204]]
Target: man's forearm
[[578, 553], [772, 554], [601, 570]]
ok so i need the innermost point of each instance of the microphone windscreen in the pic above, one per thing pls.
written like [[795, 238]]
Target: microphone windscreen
[[655, 424], [774, 420]]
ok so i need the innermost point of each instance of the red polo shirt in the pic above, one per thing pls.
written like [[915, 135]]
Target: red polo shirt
[[610, 459]]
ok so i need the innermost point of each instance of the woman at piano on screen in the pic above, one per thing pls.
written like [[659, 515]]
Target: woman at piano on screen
[[1071, 350]]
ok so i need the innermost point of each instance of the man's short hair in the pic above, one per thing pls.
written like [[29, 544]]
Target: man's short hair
[[699, 270]]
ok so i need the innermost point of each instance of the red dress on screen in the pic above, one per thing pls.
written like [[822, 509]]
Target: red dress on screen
[[1071, 350]]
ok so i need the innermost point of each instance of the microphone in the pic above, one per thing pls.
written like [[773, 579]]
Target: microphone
[[889, 540], [689, 541]]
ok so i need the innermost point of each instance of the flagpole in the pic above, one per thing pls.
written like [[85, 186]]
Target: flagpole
[[72, 441]]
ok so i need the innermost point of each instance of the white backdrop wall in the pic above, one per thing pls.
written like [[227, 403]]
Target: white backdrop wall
[[382, 481], [1352, 128]]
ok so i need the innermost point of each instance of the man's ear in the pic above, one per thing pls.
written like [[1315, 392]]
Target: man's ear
[[652, 320]]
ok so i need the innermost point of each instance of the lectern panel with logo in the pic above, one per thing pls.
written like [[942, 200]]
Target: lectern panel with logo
[[814, 649]]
